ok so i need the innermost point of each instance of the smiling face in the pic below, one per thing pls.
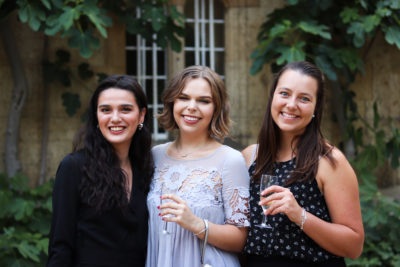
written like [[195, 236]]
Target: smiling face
[[194, 108], [118, 116], [293, 102]]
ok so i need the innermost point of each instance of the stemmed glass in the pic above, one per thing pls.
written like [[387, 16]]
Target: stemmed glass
[[164, 190], [266, 181]]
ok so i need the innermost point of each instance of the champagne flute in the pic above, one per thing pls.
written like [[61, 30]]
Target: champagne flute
[[265, 182], [164, 190]]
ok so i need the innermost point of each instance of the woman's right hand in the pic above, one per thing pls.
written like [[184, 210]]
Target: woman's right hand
[[281, 201], [183, 215]]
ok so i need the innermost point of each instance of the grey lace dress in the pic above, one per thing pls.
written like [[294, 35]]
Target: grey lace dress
[[215, 187]]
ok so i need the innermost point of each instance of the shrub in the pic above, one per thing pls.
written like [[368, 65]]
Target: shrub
[[25, 217]]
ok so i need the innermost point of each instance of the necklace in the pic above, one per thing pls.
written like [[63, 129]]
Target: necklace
[[185, 155]]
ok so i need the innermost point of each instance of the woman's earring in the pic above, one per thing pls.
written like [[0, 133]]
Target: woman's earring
[[98, 126], [313, 115], [140, 126]]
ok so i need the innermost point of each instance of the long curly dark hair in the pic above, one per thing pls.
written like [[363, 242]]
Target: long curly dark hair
[[103, 183], [311, 144]]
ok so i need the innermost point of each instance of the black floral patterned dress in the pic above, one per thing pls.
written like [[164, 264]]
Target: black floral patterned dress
[[285, 244]]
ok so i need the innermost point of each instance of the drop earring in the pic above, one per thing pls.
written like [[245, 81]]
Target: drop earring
[[140, 126]]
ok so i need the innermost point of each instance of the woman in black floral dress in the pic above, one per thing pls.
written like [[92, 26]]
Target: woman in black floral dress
[[314, 210]]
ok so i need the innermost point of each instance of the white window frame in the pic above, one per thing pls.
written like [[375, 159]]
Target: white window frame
[[141, 76], [200, 39]]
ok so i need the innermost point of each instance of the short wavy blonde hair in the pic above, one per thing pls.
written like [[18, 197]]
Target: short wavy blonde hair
[[220, 122]]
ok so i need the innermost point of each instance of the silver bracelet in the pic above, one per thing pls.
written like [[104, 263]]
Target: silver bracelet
[[201, 230], [303, 218], [203, 249]]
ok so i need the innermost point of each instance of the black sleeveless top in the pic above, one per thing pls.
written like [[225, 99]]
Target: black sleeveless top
[[286, 239]]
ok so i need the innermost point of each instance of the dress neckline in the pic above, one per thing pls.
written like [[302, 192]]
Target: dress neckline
[[188, 160]]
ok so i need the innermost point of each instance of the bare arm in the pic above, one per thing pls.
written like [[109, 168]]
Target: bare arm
[[345, 235]]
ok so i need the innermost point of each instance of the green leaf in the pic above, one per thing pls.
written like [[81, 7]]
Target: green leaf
[[43, 245], [278, 30], [323, 63], [58, 3], [349, 14], [351, 58], [21, 208], [315, 29], [23, 14], [392, 35], [357, 29], [46, 3], [291, 53], [292, 2], [370, 22], [34, 23], [85, 42], [157, 19], [28, 251], [84, 71], [67, 17], [71, 102], [257, 65], [176, 15]]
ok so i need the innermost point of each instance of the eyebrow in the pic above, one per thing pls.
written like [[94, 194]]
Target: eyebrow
[[122, 105], [205, 96], [288, 89]]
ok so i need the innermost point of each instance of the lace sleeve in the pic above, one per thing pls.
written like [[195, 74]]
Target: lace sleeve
[[235, 190]]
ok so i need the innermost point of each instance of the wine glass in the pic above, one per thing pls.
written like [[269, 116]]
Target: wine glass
[[266, 181], [165, 190]]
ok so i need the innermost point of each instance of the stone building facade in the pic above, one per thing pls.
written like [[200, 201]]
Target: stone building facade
[[239, 25]]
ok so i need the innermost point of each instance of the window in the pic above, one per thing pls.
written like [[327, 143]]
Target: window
[[203, 45], [147, 63], [204, 42]]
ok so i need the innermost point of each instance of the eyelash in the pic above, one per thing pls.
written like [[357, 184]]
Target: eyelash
[[284, 93], [186, 98]]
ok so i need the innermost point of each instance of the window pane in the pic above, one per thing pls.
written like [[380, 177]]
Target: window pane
[[131, 60]]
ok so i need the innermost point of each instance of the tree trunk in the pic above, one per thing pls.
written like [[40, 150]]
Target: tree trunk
[[45, 117], [18, 97]]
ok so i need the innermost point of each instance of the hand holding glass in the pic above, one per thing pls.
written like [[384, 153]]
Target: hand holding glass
[[266, 181], [165, 190]]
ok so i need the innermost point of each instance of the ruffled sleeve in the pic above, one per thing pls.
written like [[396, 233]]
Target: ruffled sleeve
[[235, 190]]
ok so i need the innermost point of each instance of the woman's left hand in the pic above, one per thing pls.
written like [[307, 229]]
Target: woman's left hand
[[281, 201], [183, 215]]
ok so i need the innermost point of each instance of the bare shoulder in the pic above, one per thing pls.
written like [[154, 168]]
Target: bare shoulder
[[248, 154], [339, 158], [340, 173]]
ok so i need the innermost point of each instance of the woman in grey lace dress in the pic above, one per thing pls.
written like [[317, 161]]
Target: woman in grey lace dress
[[198, 182]]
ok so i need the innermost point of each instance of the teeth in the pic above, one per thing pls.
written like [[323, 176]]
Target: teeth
[[116, 128], [288, 115], [190, 118]]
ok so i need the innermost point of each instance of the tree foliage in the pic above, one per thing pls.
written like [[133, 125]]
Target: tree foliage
[[24, 221], [84, 21]]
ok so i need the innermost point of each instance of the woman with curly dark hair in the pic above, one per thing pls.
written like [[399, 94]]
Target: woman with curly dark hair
[[99, 198]]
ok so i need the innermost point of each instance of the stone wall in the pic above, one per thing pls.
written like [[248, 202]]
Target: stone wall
[[62, 128], [248, 94]]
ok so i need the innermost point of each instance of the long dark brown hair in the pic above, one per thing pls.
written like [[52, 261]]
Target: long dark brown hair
[[311, 144], [103, 182]]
